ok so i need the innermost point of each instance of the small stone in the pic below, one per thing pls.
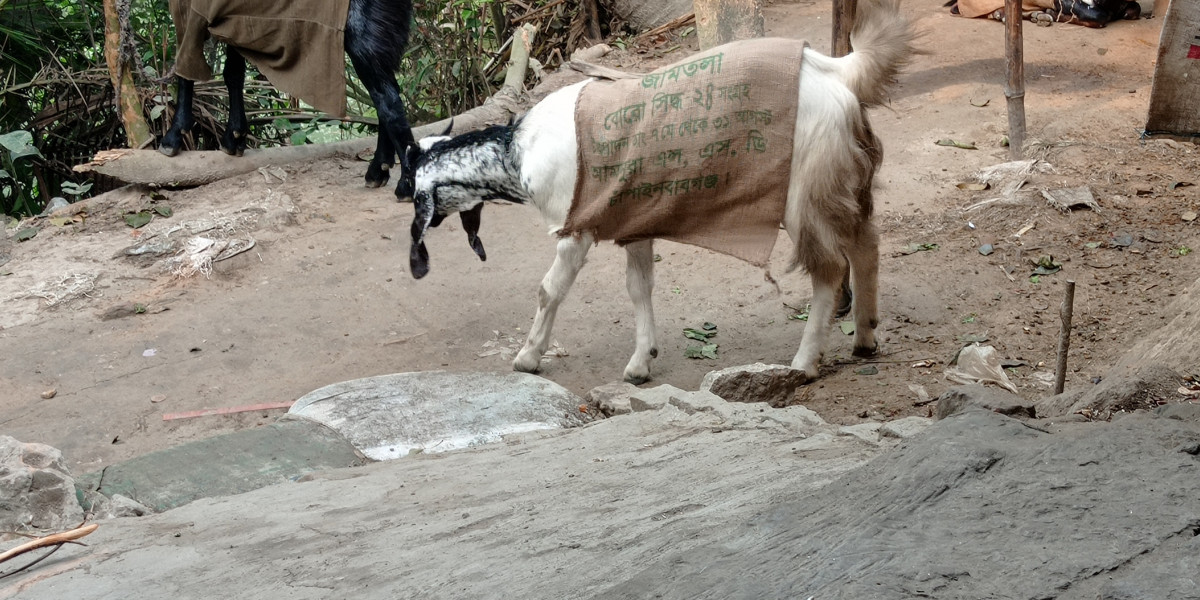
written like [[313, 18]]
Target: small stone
[[50, 393], [1189, 216], [958, 398], [157, 398], [774, 384]]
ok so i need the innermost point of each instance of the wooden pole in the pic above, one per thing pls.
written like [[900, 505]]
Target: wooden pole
[[723, 21], [843, 22], [1064, 337], [1014, 90]]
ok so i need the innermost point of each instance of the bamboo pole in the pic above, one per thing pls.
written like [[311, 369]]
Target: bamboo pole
[[1014, 90], [1066, 311], [50, 540], [843, 22]]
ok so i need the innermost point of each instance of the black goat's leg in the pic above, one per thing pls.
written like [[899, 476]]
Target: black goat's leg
[[393, 125], [182, 123], [233, 142]]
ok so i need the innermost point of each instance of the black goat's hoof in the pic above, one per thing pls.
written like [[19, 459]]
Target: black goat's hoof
[[168, 151], [377, 175], [865, 352]]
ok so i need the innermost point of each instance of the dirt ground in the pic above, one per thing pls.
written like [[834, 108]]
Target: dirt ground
[[324, 294]]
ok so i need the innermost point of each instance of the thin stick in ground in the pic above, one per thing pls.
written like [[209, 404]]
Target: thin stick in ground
[[1064, 338]]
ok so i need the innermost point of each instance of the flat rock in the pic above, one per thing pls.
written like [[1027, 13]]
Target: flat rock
[[959, 398], [904, 428], [37, 492], [774, 384], [223, 465], [931, 518], [390, 416]]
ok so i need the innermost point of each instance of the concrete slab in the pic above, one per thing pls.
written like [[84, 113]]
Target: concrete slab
[[225, 465]]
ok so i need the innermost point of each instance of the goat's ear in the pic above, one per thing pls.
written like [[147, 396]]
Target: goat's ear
[[448, 128], [418, 255], [470, 221]]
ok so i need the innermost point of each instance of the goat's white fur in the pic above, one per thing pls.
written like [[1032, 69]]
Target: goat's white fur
[[828, 202]]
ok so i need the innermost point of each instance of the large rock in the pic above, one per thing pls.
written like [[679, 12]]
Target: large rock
[[1123, 390], [37, 492], [389, 416], [958, 398], [774, 384], [979, 506]]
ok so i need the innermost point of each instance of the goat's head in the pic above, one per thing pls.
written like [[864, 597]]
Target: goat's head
[[438, 192]]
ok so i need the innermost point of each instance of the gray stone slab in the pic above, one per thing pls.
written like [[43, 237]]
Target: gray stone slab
[[391, 416], [224, 465]]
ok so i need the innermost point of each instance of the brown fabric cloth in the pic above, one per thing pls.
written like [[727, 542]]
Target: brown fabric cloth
[[698, 152], [980, 8], [296, 44]]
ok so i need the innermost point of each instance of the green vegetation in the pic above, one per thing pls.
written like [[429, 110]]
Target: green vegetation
[[57, 104]]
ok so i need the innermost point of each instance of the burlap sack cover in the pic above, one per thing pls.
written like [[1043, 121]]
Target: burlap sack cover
[[296, 44], [698, 152]]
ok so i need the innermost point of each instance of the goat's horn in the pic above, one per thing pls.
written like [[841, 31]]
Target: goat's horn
[[449, 127], [470, 221], [418, 255]]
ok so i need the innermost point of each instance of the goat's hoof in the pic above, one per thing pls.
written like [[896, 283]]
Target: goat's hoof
[[637, 379], [865, 351], [654, 353], [232, 151], [168, 150], [377, 176], [526, 366]]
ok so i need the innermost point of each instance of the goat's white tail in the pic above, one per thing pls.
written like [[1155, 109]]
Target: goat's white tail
[[882, 42]]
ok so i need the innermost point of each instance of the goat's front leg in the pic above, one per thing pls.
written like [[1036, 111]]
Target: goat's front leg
[[233, 141], [182, 123], [639, 278], [572, 254], [825, 284]]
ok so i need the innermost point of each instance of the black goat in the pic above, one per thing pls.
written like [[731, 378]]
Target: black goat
[[376, 36]]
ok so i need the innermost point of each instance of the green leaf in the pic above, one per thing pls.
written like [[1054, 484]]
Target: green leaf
[[19, 144], [138, 219], [163, 210], [705, 351], [847, 327], [696, 334], [27, 233], [709, 327], [954, 144], [4, 174], [157, 111], [299, 137]]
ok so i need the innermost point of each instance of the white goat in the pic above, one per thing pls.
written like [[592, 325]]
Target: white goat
[[829, 193]]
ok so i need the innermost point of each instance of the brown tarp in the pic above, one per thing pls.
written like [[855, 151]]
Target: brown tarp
[[698, 152], [296, 44], [1175, 97]]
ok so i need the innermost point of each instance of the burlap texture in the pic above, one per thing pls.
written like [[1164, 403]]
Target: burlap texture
[[698, 152], [296, 44]]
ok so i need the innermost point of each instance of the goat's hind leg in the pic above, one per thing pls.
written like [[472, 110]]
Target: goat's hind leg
[[639, 278], [825, 282], [172, 141], [233, 141], [864, 268], [572, 254]]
